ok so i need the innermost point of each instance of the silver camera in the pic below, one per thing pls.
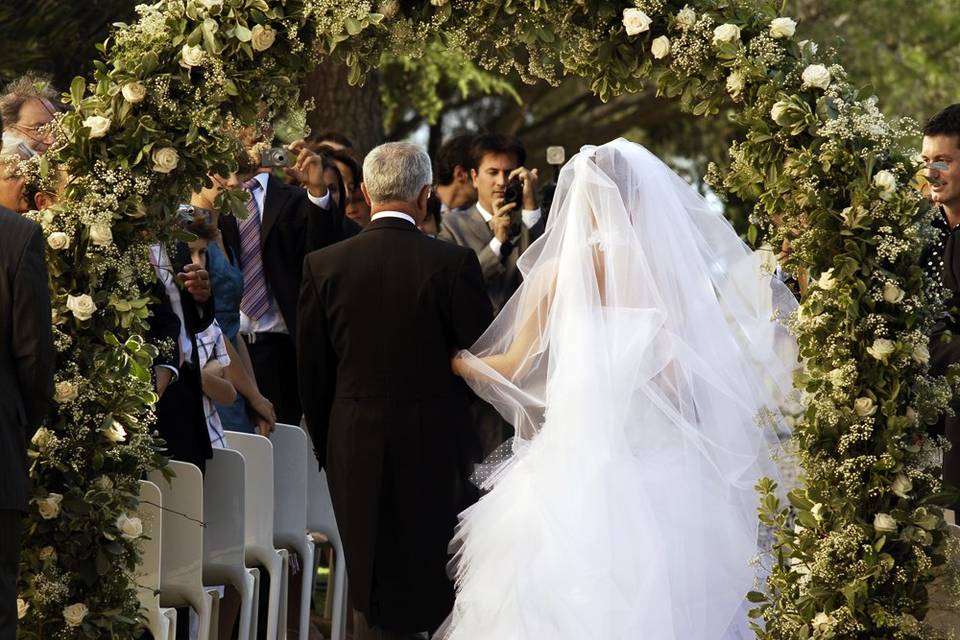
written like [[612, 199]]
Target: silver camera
[[276, 157]]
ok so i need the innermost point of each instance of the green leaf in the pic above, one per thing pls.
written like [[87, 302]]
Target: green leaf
[[242, 34], [77, 88], [353, 26]]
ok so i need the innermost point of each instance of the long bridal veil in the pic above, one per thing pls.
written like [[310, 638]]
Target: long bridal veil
[[642, 364]]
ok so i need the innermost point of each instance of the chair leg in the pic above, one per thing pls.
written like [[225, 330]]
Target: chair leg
[[306, 588], [338, 629], [331, 566]]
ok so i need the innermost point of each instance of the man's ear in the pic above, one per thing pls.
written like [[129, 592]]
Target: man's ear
[[366, 196], [423, 197], [43, 199], [473, 177], [461, 174]]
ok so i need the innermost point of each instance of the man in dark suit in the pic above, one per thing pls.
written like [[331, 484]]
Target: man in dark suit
[[27, 361], [285, 223], [380, 316]]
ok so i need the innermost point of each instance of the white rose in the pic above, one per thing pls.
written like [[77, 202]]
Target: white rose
[[130, 528], [103, 483], [817, 512], [921, 354], [808, 44], [881, 348], [22, 608], [165, 159], [210, 5], [100, 234], [98, 126], [783, 27], [735, 83], [816, 75], [191, 56], [887, 183], [836, 377], [115, 432], [826, 280], [134, 92], [438, 3], [892, 293], [864, 407], [884, 523], [779, 110], [49, 507], [660, 47], [58, 240], [901, 485], [823, 622], [686, 17], [262, 37], [635, 21], [41, 438], [65, 391], [82, 306], [75, 613], [726, 33], [48, 553]]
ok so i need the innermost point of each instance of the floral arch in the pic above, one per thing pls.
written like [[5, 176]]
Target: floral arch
[[826, 171]]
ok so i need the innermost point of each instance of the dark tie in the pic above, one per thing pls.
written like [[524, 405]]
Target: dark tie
[[256, 299]]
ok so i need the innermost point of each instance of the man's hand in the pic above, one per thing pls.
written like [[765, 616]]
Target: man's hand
[[264, 418], [308, 171], [196, 280], [500, 224], [530, 180], [163, 376]]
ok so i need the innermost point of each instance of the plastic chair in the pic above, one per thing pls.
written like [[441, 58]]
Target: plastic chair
[[258, 530], [181, 548], [320, 517], [161, 621], [224, 541], [290, 453]]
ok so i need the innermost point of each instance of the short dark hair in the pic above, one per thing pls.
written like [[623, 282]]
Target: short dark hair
[[945, 123], [29, 86], [332, 136], [453, 153], [487, 143]]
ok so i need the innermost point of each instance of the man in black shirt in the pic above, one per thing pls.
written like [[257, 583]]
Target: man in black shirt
[[941, 154]]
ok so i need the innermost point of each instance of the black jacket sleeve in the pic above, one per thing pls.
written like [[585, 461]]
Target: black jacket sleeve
[[32, 334], [316, 362], [472, 310]]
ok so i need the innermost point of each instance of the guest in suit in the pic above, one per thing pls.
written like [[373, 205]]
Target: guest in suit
[[493, 228], [27, 361], [452, 172], [284, 224], [380, 314]]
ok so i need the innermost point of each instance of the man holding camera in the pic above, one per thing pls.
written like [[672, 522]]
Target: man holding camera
[[506, 218]]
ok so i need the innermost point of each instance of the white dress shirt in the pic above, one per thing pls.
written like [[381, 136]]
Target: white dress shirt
[[393, 214], [272, 320], [530, 217]]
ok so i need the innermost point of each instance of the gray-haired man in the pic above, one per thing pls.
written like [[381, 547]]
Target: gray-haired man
[[380, 315]]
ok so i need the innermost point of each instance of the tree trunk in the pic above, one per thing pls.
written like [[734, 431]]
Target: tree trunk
[[353, 111]]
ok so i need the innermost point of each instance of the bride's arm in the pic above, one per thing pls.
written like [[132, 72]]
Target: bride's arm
[[511, 362]]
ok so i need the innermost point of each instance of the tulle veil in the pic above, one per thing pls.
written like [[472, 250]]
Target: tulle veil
[[642, 363]]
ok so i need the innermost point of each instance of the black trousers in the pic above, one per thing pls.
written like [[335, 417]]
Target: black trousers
[[10, 530], [274, 359], [181, 421]]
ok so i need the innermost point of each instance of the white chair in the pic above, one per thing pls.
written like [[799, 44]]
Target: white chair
[[181, 546], [320, 517], [290, 459], [259, 545], [224, 541], [161, 621]]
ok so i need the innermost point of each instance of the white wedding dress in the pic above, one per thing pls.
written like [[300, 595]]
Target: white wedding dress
[[642, 365]]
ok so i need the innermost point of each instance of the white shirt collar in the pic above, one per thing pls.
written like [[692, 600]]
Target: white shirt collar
[[487, 216], [393, 214]]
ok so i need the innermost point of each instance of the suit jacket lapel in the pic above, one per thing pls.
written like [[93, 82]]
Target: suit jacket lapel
[[479, 227], [273, 204]]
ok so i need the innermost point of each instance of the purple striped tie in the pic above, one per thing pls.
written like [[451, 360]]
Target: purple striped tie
[[256, 299]]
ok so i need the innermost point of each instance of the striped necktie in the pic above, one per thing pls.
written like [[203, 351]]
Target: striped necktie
[[255, 301]]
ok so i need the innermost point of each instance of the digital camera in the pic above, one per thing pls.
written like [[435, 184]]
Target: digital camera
[[276, 157]]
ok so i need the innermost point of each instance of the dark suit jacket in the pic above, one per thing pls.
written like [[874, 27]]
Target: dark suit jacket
[[27, 356], [500, 273], [291, 227], [381, 314]]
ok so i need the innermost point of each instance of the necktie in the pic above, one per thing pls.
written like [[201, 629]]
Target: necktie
[[256, 299]]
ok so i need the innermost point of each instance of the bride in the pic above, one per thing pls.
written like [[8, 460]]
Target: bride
[[642, 364]]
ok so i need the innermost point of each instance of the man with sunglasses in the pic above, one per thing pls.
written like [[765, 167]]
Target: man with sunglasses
[[27, 108]]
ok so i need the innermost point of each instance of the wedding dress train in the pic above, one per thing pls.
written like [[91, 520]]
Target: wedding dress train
[[642, 363]]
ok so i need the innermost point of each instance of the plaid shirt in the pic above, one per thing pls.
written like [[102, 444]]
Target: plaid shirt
[[211, 348]]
